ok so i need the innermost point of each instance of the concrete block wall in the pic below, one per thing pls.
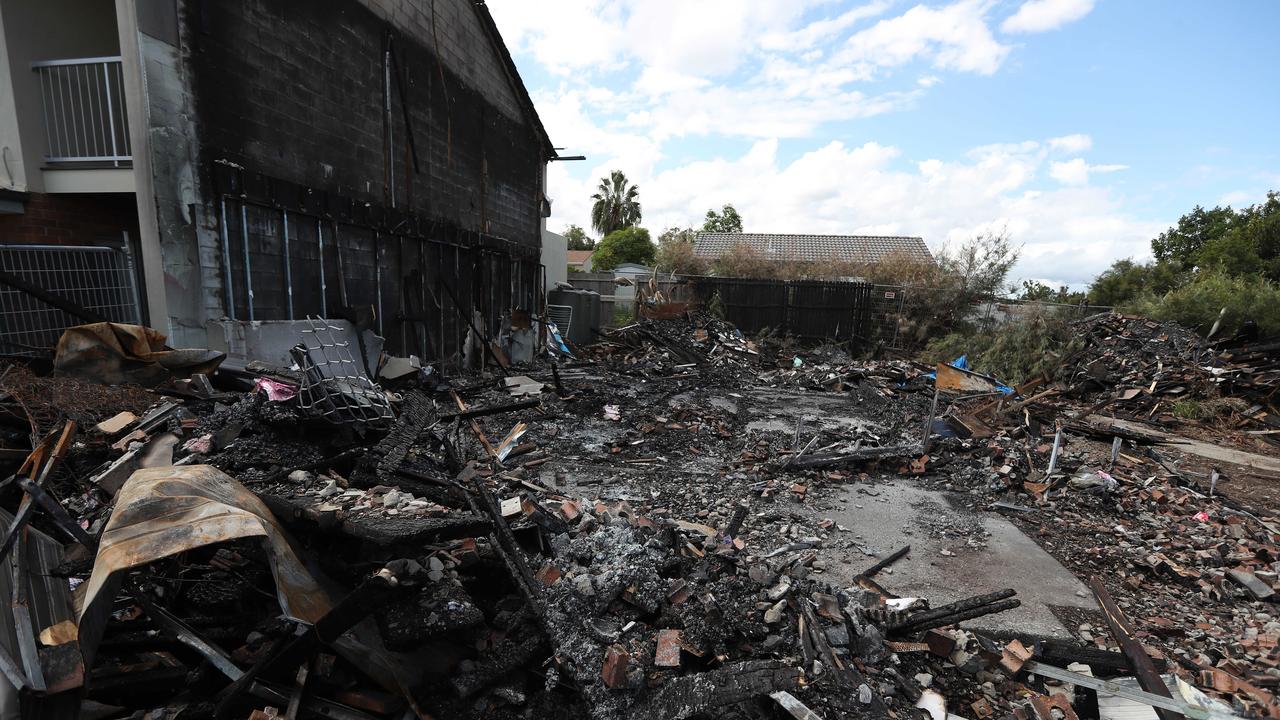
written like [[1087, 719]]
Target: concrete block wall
[[287, 97], [294, 90]]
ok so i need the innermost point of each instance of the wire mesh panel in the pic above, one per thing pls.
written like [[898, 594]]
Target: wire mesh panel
[[333, 385], [99, 279]]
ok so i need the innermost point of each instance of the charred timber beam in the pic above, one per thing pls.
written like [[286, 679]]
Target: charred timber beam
[[872, 453], [1139, 661], [495, 410], [886, 562], [952, 609], [369, 596], [1062, 653], [963, 615], [688, 695]]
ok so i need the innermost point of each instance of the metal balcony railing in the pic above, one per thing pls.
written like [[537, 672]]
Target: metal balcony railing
[[84, 111]]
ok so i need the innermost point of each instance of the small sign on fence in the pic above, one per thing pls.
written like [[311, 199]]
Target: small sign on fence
[[889, 294]]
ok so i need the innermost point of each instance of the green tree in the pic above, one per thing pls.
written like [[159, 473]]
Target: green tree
[[628, 245], [617, 204], [979, 266], [1251, 245], [1234, 254], [1183, 241], [1197, 304], [726, 221], [1036, 291], [1126, 280], [676, 234], [675, 252], [578, 239]]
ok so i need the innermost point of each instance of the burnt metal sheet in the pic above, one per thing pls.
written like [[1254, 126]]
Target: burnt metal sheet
[[45, 601], [953, 379]]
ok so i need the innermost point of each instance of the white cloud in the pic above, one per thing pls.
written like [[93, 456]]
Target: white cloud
[[821, 30], [655, 81], [952, 37], [1071, 144], [1238, 198], [1042, 15], [634, 79], [1076, 171], [1070, 233], [563, 35]]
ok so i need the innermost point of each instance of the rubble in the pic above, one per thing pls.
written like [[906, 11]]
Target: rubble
[[634, 534]]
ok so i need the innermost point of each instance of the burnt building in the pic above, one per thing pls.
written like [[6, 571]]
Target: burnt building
[[261, 160]]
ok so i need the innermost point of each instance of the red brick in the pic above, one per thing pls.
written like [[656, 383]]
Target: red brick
[[614, 672]]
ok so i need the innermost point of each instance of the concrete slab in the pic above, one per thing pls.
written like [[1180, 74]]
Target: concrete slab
[[990, 554]]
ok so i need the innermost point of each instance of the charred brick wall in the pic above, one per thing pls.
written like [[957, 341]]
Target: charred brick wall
[[294, 90], [311, 200]]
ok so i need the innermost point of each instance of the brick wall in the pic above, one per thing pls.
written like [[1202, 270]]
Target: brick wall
[[293, 90], [63, 219]]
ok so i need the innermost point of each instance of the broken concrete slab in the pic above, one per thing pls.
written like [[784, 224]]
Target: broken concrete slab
[[896, 512]]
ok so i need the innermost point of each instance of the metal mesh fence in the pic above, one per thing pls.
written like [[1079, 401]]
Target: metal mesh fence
[[899, 314], [100, 279]]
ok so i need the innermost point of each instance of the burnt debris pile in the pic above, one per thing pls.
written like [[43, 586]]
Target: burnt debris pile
[[637, 533]]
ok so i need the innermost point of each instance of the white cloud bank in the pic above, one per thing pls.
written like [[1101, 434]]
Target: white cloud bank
[[1076, 171], [638, 85], [1069, 233], [1042, 15]]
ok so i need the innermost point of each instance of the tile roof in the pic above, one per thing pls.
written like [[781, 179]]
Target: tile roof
[[812, 248], [577, 257]]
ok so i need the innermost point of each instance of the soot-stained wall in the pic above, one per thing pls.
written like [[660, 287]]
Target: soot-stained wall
[[284, 190], [293, 89]]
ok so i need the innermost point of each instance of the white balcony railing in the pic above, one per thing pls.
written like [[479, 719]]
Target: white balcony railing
[[84, 111]]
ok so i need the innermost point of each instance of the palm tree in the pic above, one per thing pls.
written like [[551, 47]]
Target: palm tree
[[616, 204]]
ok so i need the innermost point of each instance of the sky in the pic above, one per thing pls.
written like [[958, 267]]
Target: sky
[[1082, 128]]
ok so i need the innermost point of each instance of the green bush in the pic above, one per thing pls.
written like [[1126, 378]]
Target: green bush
[[1197, 304], [628, 245], [1013, 352]]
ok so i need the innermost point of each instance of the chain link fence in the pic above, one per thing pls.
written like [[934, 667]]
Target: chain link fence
[[901, 314]]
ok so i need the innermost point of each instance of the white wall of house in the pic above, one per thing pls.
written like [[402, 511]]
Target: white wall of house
[[35, 30], [555, 257]]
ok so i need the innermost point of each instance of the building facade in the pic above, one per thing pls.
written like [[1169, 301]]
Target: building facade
[[275, 159]]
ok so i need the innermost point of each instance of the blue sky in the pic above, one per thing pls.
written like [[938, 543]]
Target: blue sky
[[1080, 127]]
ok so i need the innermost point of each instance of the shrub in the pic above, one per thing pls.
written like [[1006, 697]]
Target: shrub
[[628, 245], [1013, 352], [1197, 304], [675, 254]]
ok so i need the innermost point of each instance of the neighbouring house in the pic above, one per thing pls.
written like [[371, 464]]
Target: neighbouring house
[[860, 249], [635, 271], [580, 260], [258, 160]]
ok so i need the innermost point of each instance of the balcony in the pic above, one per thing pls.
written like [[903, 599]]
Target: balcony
[[86, 125]]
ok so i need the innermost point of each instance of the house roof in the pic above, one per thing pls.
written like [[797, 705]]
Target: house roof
[[577, 257], [813, 248]]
